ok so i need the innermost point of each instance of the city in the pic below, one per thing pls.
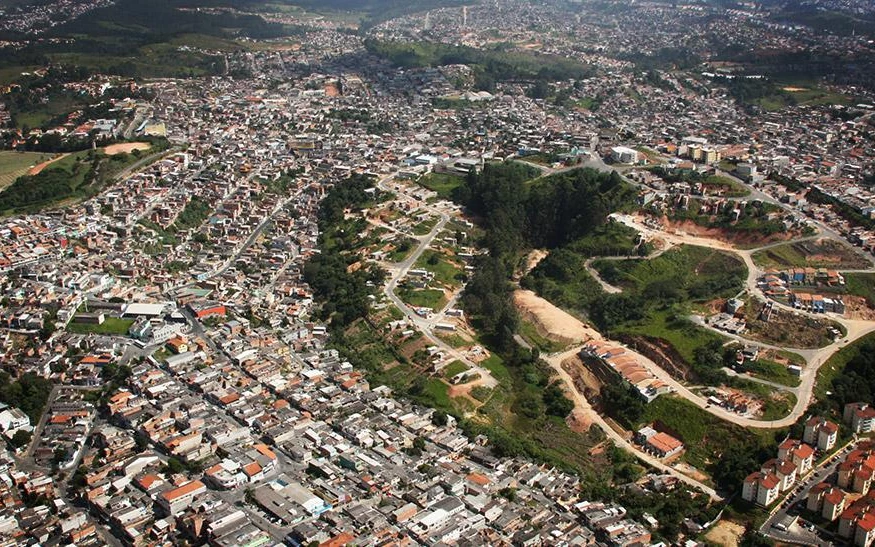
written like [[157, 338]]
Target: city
[[450, 273]]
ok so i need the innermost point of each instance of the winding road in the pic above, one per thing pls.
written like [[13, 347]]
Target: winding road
[[398, 271]]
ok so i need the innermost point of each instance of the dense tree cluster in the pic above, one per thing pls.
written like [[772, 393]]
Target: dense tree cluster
[[343, 291], [28, 393], [45, 187], [518, 214], [857, 382]]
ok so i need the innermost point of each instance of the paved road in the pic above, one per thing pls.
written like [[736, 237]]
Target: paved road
[[426, 325], [607, 287], [582, 406], [816, 358], [799, 494]]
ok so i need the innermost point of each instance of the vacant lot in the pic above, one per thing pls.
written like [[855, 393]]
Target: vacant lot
[[787, 328], [688, 272], [112, 325], [724, 186], [125, 148], [441, 183], [820, 253], [15, 164], [445, 272], [551, 322], [423, 298]]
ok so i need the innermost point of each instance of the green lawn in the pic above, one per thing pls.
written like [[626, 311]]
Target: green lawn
[[15, 164], [437, 263], [441, 183], [423, 298], [425, 226], [772, 371], [704, 435], [438, 392], [111, 326], [530, 333], [824, 253], [454, 368]]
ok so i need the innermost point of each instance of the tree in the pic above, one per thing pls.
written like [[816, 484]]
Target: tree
[[556, 402], [752, 538], [20, 438], [439, 418]]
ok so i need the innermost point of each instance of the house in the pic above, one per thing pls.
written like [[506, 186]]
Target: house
[[797, 452], [177, 499], [177, 345], [663, 445], [13, 419], [784, 470], [202, 310], [857, 471], [761, 488], [821, 433], [857, 521], [860, 417], [827, 500]]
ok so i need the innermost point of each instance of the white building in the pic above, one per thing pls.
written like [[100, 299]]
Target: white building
[[622, 154]]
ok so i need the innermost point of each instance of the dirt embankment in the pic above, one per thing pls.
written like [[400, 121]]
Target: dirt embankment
[[37, 169], [125, 148], [532, 260], [552, 322], [725, 533], [661, 353], [856, 307], [738, 239]]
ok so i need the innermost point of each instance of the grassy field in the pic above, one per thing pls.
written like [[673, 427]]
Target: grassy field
[[689, 268], [803, 96], [772, 371], [861, 284], [425, 226], [70, 178], [726, 186], [454, 368], [441, 183], [40, 115], [111, 326], [15, 164], [495, 365], [437, 263], [452, 339], [778, 405], [423, 298], [11, 74], [403, 248], [438, 391], [530, 333], [824, 253], [704, 435], [835, 365], [669, 325]]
